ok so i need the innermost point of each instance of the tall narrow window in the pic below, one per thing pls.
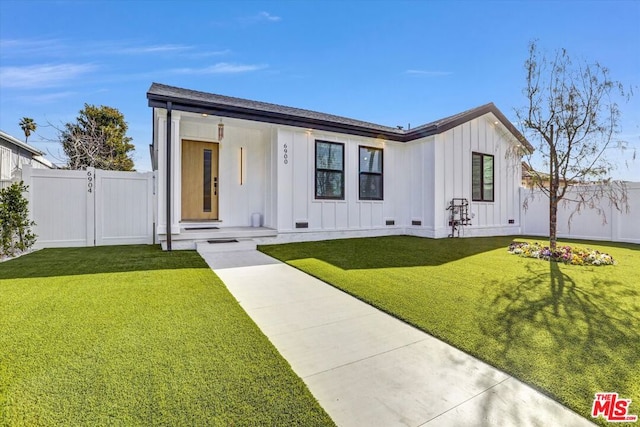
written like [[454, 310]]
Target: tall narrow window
[[482, 174], [371, 173], [329, 170], [206, 200]]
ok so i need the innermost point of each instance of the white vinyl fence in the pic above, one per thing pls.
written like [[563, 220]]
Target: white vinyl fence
[[91, 207], [96, 207], [616, 226]]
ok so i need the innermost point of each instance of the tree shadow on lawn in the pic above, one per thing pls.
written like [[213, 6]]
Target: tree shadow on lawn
[[93, 260], [387, 251], [574, 337]]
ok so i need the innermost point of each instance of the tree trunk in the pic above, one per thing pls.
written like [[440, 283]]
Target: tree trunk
[[553, 194], [553, 218]]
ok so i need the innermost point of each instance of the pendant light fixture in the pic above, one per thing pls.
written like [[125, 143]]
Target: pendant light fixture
[[220, 130]]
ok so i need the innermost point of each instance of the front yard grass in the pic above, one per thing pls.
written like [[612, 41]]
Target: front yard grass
[[136, 336], [570, 331]]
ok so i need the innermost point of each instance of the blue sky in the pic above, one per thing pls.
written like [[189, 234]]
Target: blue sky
[[387, 62]]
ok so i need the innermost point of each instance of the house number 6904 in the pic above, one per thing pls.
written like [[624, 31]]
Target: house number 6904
[[285, 156], [89, 182]]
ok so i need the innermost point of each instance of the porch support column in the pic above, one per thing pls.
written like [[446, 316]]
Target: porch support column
[[168, 177]]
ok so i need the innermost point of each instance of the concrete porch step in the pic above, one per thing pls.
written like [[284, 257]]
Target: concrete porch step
[[225, 245], [190, 236], [199, 234]]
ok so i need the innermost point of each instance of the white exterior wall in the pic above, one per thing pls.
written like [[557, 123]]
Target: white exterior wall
[[238, 197], [12, 160], [452, 178], [295, 182], [417, 164], [271, 181], [420, 178]]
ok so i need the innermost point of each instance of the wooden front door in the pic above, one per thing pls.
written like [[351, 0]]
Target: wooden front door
[[199, 180]]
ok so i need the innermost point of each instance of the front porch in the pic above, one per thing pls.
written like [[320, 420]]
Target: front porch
[[193, 234]]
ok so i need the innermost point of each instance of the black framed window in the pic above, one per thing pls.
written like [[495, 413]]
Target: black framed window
[[329, 170], [482, 175], [370, 173]]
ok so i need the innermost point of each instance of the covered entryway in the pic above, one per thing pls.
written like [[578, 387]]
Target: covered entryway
[[199, 180]]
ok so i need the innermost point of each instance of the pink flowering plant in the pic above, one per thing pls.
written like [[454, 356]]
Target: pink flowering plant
[[565, 254]]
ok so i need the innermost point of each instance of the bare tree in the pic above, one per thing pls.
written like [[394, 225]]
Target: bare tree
[[85, 147], [97, 139], [572, 118]]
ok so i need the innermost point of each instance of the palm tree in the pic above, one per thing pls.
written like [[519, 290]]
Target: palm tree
[[28, 125]]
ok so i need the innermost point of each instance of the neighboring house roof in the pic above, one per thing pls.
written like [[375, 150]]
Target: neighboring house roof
[[160, 95], [44, 162], [532, 177], [12, 140]]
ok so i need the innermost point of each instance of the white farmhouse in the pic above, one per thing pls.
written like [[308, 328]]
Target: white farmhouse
[[224, 164]]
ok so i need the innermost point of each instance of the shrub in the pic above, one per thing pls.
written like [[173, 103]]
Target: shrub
[[16, 235]]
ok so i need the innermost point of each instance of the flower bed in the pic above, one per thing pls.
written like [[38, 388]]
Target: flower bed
[[564, 254]]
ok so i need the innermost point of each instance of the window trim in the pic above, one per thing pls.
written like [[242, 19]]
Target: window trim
[[381, 173], [316, 170], [482, 183]]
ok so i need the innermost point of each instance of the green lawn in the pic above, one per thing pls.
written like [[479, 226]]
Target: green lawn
[[136, 336], [570, 331]]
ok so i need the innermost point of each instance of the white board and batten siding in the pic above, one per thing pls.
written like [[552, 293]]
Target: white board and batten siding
[[416, 163], [90, 207], [295, 199], [452, 177], [420, 178]]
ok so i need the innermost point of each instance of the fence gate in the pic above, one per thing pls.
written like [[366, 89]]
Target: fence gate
[[90, 208]]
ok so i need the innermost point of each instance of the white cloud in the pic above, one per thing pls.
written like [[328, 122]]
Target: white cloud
[[42, 75], [221, 68], [31, 47], [206, 54], [164, 48], [268, 17], [428, 73], [45, 98], [65, 48], [260, 17]]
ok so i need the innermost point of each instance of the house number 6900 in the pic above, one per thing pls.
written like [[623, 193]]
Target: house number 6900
[[89, 182], [285, 156]]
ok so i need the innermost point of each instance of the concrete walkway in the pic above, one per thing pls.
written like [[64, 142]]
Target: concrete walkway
[[367, 368]]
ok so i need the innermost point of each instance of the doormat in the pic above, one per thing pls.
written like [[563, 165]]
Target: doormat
[[222, 241], [202, 228]]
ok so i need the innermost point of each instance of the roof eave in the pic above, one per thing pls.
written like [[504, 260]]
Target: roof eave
[[223, 110], [21, 144], [473, 114], [240, 112], [514, 131]]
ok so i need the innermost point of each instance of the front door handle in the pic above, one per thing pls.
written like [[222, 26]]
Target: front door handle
[[215, 185]]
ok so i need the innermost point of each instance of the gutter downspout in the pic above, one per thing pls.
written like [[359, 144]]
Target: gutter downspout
[[168, 177]]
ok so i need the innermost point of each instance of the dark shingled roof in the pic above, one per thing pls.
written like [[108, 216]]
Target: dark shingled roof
[[202, 102]]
